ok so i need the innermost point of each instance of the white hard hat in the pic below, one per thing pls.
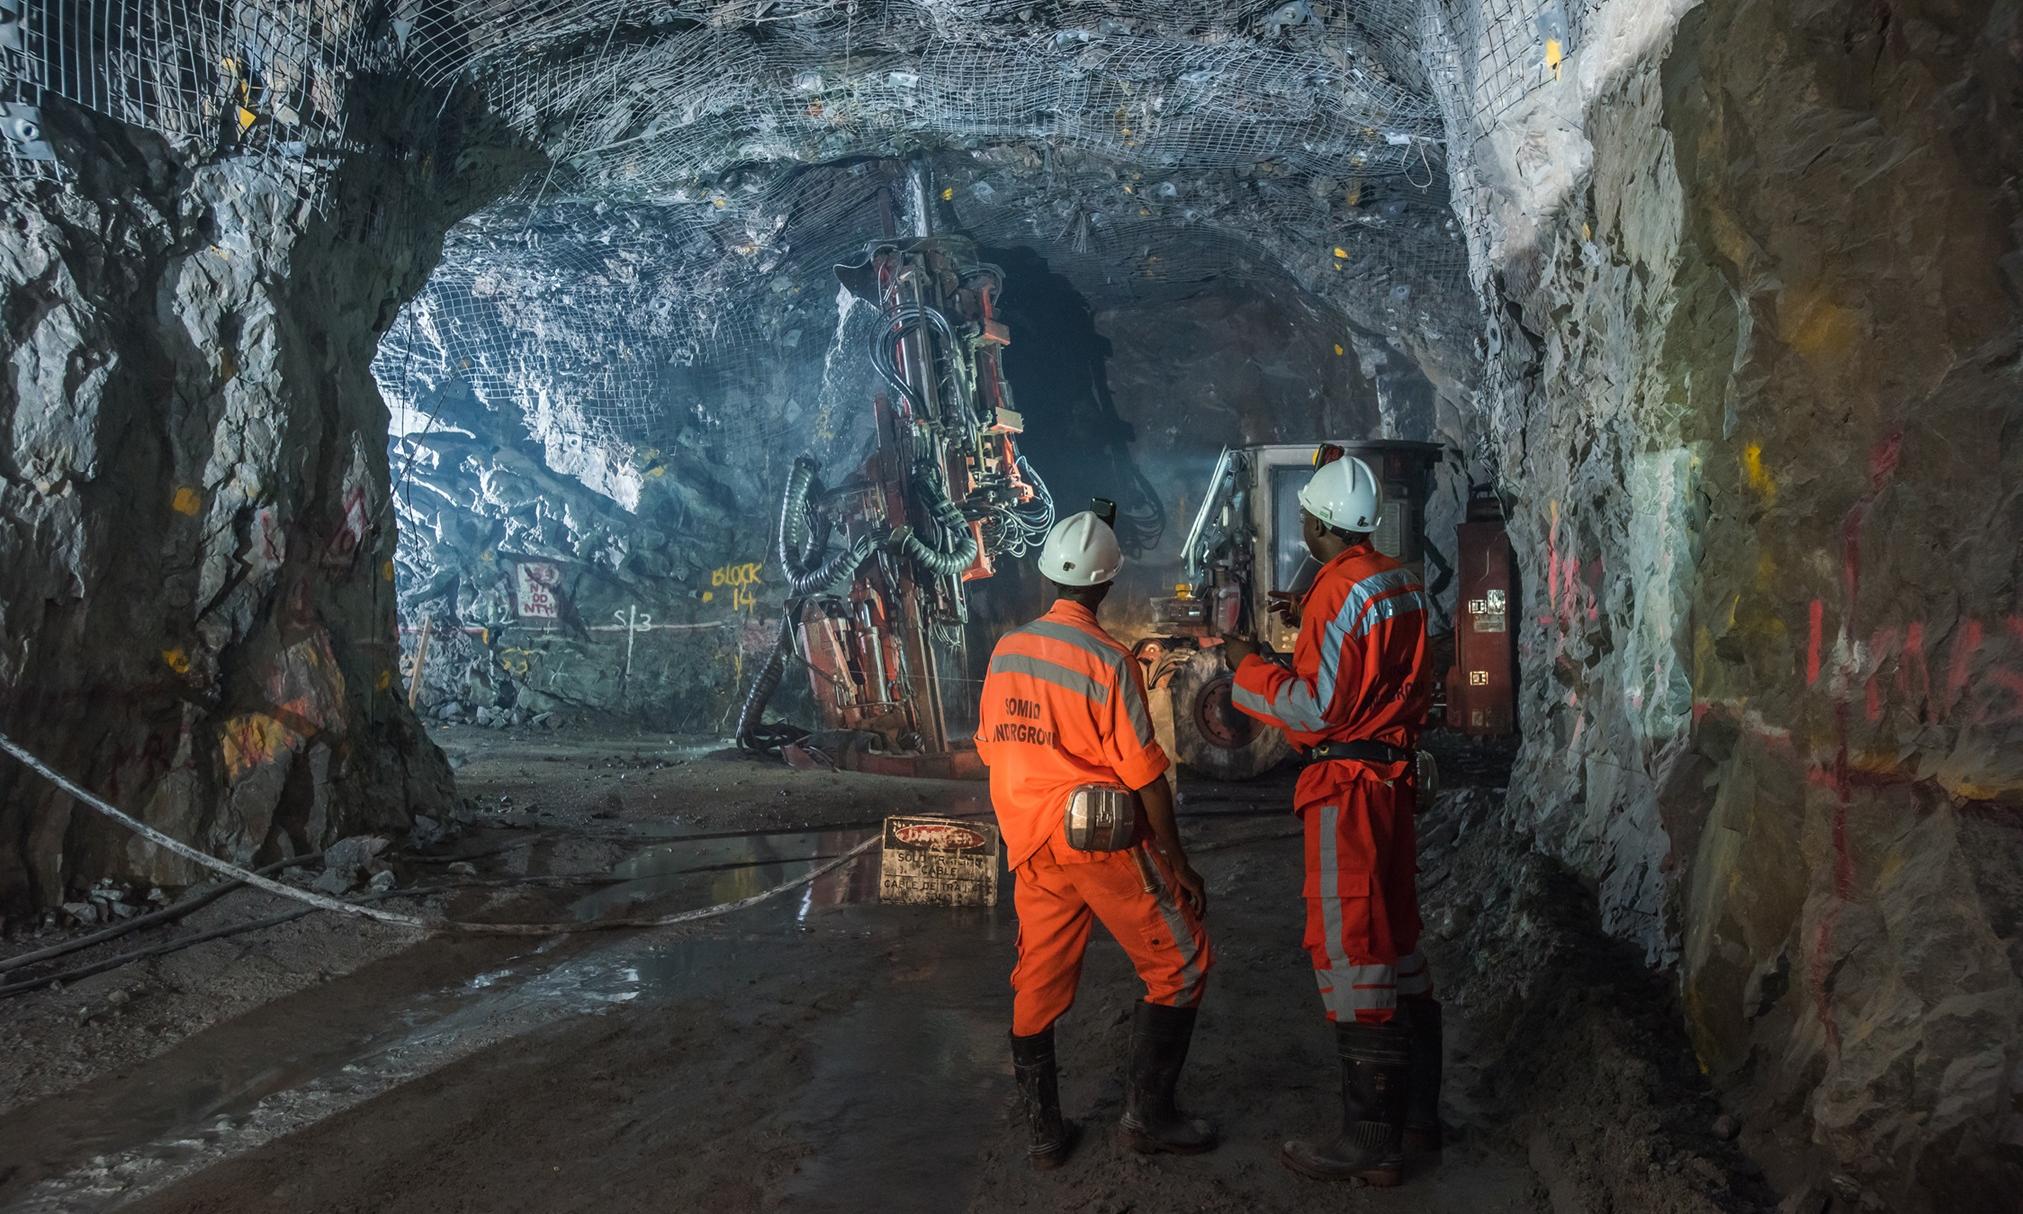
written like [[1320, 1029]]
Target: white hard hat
[[1344, 494], [1081, 550]]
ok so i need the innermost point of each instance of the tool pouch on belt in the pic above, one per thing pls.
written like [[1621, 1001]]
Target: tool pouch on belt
[[1102, 817]]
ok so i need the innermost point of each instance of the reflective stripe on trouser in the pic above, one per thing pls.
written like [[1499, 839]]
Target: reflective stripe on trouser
[[1362, 928], [1058, 903]]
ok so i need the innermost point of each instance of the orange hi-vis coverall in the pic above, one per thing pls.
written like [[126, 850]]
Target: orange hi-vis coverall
[[1064, 706], [1357, 675]]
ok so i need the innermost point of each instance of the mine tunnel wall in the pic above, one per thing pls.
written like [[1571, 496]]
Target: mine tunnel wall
[[196, 600], [1755, 288]]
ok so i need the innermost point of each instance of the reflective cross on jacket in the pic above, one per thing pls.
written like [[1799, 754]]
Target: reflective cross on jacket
[[1358, 669]]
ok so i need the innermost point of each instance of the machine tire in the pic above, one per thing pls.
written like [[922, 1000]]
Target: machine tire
[[1212, 738]]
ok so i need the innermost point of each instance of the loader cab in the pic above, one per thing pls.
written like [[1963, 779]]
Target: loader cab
[[1245, 543]]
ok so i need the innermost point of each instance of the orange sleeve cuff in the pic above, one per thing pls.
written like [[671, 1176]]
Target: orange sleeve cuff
[[1144, 767]]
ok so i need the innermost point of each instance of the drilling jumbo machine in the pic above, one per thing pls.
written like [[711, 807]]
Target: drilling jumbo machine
[[877, 566]]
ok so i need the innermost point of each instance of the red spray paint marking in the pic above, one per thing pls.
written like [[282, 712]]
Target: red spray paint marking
[[1816, 622], [1912, 661], [1882, 465]]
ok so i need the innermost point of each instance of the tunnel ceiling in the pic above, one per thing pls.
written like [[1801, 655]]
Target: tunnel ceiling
[[709, 163], [703, 164]]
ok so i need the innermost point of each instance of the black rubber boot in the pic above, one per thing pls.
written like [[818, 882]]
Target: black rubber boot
[[1423, 1135], [1375, 1074], [1039, 1092], [1152, 1124]]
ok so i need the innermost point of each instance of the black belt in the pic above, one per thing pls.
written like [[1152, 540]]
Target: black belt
[[1358, 752]]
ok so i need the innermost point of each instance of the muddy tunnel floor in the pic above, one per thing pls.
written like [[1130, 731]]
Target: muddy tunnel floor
[[817, 1052]]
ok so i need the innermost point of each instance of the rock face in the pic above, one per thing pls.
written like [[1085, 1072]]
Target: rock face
[[625, 566], [1753, 402], [196, 593]]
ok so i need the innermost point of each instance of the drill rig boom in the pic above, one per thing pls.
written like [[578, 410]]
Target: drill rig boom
[[880, 620]]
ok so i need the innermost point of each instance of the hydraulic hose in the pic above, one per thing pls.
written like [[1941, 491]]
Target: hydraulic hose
[[802, 540], [793, 532], [955, 559], [832, 576], [752, 734]]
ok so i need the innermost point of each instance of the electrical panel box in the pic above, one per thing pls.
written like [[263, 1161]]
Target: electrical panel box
[[1482, 692]]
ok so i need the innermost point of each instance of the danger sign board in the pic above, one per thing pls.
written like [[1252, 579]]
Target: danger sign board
[[938, 862]]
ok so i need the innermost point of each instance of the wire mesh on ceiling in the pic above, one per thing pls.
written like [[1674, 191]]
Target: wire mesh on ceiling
[[1150, 150]]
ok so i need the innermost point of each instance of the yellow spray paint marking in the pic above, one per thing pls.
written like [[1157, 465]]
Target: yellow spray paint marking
[[384, 681], [1814, 325], [187, 501], [251, 740], [1586, 232], [247, 118], [740, 579], [1355, 195], [709, 596], [386, 571], [177, 660], [1554, 53], [1341, 254], [1338, 350], [1759, 476], [948, 194]]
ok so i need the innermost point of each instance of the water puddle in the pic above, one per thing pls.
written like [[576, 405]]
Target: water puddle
[[706, 871], [201, 1103]]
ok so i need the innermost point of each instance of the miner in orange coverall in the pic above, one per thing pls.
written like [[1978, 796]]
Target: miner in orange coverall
[[1352, 701], [1064, 707]]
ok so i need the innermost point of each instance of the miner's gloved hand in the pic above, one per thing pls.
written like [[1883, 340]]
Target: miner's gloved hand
[[1235, 649]]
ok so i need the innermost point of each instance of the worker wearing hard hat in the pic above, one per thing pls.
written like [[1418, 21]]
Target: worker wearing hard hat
[[1078, 783], [1352, 700]]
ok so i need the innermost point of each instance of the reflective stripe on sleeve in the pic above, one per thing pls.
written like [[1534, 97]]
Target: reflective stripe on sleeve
[[1134, 708], [1296, 706]]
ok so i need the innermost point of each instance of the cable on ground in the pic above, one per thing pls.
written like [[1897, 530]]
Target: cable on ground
[[167, 914], [396, 918]]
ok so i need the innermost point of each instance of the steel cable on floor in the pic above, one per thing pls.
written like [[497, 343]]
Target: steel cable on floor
[[396, 918]]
